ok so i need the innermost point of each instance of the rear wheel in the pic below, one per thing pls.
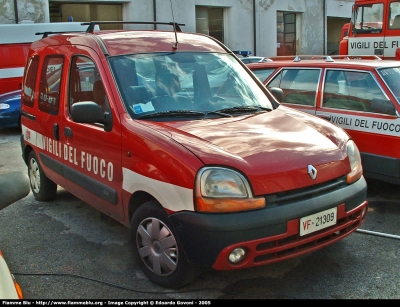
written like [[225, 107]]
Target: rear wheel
[[42, 187], [157, 249]]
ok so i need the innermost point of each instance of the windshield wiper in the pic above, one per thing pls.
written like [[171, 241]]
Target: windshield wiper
[[219, 113], [242, 109], [173, 113]]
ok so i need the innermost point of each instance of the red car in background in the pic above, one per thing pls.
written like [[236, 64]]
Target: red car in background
[[360, 94]]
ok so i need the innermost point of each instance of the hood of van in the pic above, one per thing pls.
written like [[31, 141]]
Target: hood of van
[[272, 149]]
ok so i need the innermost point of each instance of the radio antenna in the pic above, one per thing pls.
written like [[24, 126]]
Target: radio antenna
[[175, 46]]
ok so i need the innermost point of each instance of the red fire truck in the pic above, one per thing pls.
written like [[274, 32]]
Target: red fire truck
[[15, 40], [374, 29]]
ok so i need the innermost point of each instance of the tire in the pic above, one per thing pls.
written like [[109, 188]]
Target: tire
[[166, 266], [42, 187]]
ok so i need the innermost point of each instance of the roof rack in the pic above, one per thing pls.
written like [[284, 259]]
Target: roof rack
[[47, 33], [357, 57], [327, 58], [91, 25]]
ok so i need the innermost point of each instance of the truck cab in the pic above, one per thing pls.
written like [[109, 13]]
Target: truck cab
[[374, 29]]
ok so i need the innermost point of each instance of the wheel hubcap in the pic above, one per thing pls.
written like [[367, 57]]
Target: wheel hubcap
[[34, 175], [157, 246]]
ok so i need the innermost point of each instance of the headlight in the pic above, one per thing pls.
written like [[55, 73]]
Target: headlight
[[224, 190], [355, 162]]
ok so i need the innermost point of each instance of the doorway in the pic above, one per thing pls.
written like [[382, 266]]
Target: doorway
[[286, 33], [84, 12]]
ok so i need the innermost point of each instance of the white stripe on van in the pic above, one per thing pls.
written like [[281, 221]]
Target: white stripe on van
[[172, 197], [11, 72]]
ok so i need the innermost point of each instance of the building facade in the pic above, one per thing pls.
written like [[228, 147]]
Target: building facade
[[265, 27]]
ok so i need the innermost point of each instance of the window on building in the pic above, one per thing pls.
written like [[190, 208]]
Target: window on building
[[83, 12], [209, 20], [286, 33]]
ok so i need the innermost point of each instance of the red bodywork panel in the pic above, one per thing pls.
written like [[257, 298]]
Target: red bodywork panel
[[12, 62]]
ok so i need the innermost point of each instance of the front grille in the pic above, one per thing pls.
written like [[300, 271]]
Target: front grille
[[288, 197]]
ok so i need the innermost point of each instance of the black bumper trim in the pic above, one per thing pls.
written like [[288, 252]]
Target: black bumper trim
[[93, 186], [204, 236]]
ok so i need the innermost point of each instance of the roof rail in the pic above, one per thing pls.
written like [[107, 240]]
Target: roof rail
[[47, 33], [298, 58], [357, 57], [327, 58], [91, 25]]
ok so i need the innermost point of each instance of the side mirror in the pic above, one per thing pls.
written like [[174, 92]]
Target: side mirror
[[277, 92], [13, 187], [90, 112]]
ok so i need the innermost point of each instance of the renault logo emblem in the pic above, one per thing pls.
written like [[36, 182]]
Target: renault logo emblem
[[312, 171]]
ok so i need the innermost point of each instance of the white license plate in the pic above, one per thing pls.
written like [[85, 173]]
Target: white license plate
[[317, 221]]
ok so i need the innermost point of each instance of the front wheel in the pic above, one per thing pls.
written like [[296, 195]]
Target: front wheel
[[42, 187], [157, 249]]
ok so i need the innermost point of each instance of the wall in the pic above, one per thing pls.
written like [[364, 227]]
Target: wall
[[239, 19], [28, 10]]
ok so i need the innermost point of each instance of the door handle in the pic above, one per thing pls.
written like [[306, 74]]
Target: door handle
[[56, 132]]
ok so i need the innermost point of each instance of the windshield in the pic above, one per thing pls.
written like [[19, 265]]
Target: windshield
[[187, 84], [368, 18]]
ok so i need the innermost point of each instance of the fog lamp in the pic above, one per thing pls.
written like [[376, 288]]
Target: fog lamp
[[237, 255]]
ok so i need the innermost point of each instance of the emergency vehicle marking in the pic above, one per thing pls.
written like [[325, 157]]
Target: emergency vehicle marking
[[91, 163], [172, 197], [390, 43], [45, 98], [366, 124], [11, 72]]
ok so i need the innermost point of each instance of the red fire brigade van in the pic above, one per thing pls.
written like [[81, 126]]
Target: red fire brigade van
[[374, 29], [173, 136], [15, 40]]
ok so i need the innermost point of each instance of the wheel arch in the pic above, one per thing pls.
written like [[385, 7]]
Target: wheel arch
[[26, 150], [137, 199]]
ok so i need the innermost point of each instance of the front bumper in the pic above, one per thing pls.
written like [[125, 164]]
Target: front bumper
[[271, 234]]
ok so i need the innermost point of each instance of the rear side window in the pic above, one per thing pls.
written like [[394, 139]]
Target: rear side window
[[28, 92], [50, 81], [354, 90], [263, 74]]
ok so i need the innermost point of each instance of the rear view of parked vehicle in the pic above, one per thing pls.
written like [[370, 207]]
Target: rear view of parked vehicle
[[10, 109], [172, 135]]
